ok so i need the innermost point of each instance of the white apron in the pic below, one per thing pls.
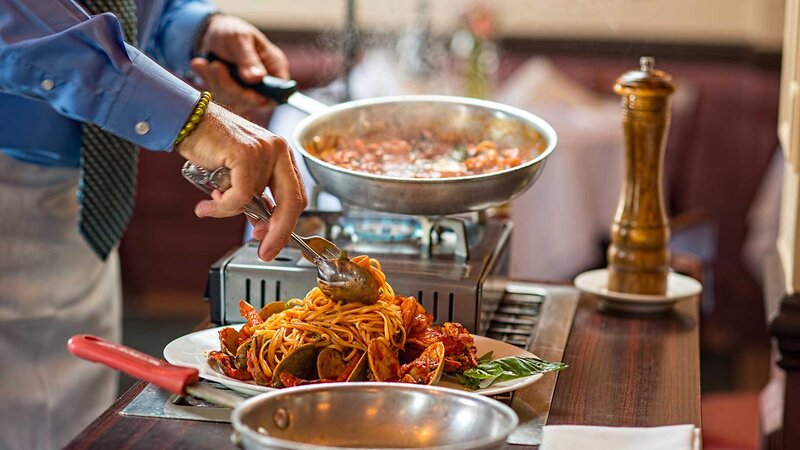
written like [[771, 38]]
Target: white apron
[[52, 286]]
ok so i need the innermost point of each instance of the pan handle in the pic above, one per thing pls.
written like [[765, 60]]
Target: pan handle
[[133, 362], [273, 88]]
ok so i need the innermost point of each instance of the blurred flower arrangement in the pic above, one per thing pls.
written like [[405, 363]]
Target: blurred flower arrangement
[[462, 61], [472, 45]]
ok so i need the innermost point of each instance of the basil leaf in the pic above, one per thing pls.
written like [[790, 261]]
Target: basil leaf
[[504, 369], [469, 383], [486, 358]]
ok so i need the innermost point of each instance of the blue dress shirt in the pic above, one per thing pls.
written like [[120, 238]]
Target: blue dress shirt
[[60, 67]]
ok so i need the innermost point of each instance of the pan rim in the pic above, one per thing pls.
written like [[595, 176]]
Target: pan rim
[[527, 117], [500, 408]]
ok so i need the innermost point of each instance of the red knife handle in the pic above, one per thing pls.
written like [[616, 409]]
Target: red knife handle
[[133, 362]]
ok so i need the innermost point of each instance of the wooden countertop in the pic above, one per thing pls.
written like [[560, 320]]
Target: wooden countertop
[[624, 371]]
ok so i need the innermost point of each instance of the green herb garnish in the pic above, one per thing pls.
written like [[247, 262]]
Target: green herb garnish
[[460, 153], [489, 372]]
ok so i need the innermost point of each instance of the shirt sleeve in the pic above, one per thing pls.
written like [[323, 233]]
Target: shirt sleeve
[[52, 51], [176, 35]]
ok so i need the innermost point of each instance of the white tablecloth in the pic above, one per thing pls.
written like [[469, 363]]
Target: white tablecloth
[[559, 222]]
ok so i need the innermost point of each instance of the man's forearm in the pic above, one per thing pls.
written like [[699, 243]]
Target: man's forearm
[[52, 51]]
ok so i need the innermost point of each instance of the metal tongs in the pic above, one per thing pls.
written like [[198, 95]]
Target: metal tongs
[[337, 276]]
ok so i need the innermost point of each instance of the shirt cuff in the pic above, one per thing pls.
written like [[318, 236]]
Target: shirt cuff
[[181, 36], [152, 106]]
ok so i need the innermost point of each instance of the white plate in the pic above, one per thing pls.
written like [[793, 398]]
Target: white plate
[[191, 351], [679, 287]]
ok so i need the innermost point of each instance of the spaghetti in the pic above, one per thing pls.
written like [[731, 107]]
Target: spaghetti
[[352, 329], [346, 327]]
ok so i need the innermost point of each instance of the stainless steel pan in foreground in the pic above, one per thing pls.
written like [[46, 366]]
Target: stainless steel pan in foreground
[[372, 415], [393, 117], [336, 416]]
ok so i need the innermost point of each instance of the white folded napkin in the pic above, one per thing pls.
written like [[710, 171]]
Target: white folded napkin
[[576, 437]]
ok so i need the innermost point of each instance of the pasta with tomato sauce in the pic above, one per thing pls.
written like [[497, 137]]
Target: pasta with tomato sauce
[[316, 339]]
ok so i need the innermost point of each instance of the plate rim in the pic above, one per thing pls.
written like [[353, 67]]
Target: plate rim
[[604, 293], [206, 372]]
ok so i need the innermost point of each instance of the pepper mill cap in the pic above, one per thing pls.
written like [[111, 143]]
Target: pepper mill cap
[[645, 81]]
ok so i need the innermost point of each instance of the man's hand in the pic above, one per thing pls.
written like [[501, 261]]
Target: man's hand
[[257, 159], [237, 41]]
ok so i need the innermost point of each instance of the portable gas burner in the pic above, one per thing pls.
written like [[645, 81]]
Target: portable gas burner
[[446, 263]]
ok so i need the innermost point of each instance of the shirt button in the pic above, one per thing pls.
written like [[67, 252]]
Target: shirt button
[[47, 84], [142, 128]]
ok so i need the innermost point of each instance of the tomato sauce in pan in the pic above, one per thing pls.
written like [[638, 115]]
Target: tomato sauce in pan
[[423, 156]]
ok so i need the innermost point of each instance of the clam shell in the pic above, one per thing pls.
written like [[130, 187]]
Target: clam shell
[[427, 368], [300, 363], [383, 360], [271, 309], [361, 371], [240, 359], [330, 363], [436, 353]]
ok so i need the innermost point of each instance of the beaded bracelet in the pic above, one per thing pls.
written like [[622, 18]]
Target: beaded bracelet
[[195, 118]]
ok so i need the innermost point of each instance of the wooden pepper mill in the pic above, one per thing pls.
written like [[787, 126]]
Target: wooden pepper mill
[[638, 257]]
